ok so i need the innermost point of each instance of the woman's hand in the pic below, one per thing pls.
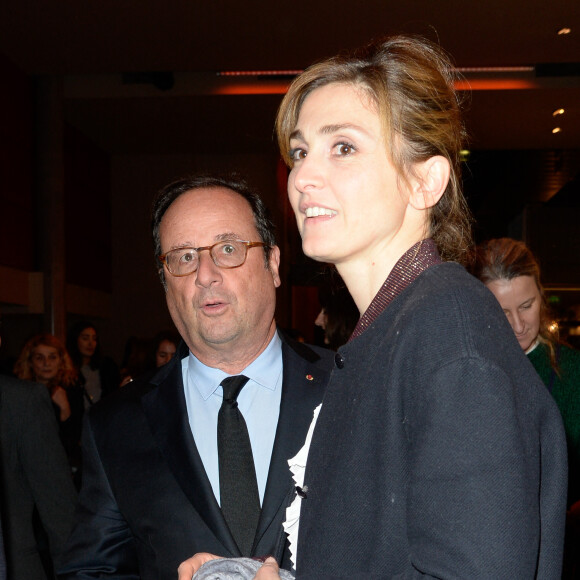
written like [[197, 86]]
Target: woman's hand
[[60, 399], [188, 568], [269, 570]]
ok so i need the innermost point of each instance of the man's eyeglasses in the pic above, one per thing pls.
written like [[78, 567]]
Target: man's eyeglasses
[[226, 254]]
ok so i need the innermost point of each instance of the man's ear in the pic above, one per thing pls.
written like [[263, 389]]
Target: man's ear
[[432, 177], [274, 264]]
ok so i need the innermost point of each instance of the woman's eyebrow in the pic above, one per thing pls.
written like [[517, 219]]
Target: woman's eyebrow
[[296, 134], [337, 127], [329, 130]]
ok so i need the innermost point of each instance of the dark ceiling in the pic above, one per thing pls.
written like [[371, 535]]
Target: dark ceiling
[[94, 45]]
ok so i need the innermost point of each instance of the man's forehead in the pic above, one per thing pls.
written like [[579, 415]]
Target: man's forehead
[[210, 200], [217, 213]]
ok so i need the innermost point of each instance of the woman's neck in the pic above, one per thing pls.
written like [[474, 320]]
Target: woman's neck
[[365, 277]]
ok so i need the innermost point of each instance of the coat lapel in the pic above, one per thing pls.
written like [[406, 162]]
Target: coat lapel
[[302, 389], [166, 413]]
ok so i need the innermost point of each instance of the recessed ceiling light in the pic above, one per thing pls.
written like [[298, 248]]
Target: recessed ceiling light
[[558, 112], [564, 31], [556, 130]]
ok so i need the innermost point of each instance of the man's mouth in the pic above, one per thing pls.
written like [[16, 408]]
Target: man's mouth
[[213, 304], [319, 211]]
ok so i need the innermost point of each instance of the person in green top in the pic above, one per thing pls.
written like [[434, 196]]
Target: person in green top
[[512, 273]]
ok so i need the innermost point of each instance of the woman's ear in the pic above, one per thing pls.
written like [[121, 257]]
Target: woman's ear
[[432, 177]]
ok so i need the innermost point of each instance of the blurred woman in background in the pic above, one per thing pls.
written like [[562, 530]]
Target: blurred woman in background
[[99, 374], [45, 360], [509, 269], [337, 317], [143, 355], [164, 347]]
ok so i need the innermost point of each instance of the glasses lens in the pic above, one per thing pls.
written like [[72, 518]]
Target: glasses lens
[[229, 254], [182, 262]]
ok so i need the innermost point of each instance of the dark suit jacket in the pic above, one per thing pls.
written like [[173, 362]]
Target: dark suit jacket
[[146, 503], [2, 557], [35, 476]]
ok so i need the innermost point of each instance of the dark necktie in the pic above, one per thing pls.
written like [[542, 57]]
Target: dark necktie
[[240, 500]]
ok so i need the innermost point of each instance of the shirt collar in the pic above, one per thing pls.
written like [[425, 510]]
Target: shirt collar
[[264, 371], [410, 265], [533, 346]]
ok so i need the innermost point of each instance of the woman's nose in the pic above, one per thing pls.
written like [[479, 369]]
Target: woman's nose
[[321, 319], [517, 323], [307, 174]]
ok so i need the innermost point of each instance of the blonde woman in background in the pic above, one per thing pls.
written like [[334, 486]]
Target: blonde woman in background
[[512, 273], [44, 359]]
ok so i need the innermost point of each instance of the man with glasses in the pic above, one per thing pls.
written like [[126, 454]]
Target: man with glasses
[[195, 458]]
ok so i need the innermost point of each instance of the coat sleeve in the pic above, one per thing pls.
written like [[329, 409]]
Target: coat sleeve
[[487, 486], [101, 543], [46, 468]]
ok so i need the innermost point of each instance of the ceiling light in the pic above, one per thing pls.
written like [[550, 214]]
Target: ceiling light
[[259, 73], [564, 31], [494, 69], [556, 130], [558, 112]]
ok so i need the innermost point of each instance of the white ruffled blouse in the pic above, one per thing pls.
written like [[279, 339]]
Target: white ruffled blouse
[[298, 468]]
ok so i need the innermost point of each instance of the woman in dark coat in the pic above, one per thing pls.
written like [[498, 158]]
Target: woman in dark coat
[[437, 452]]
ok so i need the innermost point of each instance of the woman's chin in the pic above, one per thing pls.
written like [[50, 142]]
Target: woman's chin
[[317, 250]]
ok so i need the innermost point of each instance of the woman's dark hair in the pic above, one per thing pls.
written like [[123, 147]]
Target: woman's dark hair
[[72, 345], [410, 81], [167, 195], [341, 314]]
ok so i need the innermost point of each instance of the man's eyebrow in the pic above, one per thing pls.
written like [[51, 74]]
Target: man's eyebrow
[[219, 238], [228, 236]]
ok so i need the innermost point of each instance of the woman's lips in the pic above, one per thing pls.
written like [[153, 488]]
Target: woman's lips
[[317, 211]]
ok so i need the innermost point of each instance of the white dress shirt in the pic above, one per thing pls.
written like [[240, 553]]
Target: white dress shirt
[[259, 403]]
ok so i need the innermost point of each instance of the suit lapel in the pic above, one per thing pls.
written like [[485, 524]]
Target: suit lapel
[[302, 389], [166, 413]]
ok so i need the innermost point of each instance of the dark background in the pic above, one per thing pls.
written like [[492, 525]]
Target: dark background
[[104, 103]]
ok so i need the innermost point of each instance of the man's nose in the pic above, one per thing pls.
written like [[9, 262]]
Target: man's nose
[[207, 272]]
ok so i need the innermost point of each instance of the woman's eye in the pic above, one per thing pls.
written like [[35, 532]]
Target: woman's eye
[[297, 154], [344, 149]]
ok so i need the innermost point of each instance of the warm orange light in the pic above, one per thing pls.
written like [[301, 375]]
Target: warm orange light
[[280, 87], [258, 73], [268, 88], [493, 84], [564, 31], [556, 130], [558, 112]]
